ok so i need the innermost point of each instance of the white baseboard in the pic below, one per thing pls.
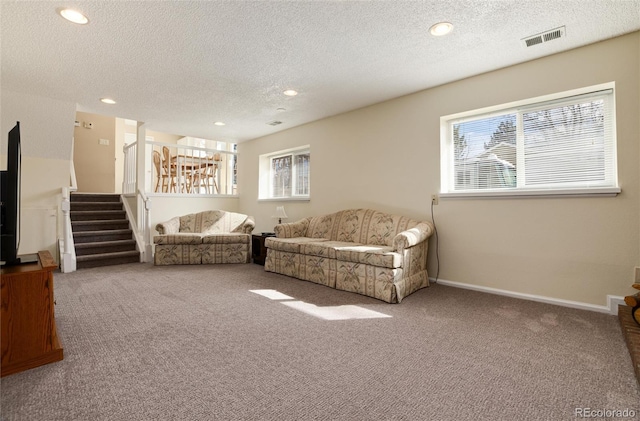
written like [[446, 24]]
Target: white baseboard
[[611, 308]]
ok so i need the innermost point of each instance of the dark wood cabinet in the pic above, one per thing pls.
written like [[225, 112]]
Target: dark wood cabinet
[[29, 335]]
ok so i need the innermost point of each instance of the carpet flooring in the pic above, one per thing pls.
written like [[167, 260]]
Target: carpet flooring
[[232, 342]]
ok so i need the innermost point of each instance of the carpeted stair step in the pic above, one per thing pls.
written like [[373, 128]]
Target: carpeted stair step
[[95, 206], [103, 235], [94, 197], [100, 247], [79, 226], [101, 231], [107, 259], [94, 215]]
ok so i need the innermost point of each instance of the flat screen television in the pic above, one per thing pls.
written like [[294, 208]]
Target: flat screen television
[[10, 201]]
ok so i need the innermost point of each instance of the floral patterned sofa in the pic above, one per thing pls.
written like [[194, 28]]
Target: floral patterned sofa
[[359, 250], [205, 237]]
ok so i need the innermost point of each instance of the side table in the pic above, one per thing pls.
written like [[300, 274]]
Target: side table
[[258, 250]]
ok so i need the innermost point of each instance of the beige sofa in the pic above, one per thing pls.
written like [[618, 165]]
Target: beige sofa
[[203, 238], [359, 250]]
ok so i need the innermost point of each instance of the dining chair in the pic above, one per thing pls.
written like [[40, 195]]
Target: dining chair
[[159, 175], [203, 176], [169, 170]]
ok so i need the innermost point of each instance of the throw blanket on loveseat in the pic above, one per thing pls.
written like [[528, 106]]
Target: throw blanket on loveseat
[[359, 250], [204, 237]]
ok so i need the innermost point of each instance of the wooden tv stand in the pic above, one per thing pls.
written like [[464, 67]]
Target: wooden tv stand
[[29, 335]]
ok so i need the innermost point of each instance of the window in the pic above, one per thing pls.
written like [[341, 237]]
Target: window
[[285, 174], [559, 144]]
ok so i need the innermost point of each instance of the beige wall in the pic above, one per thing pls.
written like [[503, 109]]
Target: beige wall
[[46, 128], [95, 163], [164, 137], [99, 168], [387, 157]]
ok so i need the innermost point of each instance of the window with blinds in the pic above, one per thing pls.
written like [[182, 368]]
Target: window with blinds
[[560, 144]]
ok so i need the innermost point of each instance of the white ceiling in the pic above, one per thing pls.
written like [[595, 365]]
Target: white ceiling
[[180, 66]]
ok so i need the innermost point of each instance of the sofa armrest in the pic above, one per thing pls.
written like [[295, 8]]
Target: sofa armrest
[[248, 225], [413, 236], [172, 226], [292, 229]]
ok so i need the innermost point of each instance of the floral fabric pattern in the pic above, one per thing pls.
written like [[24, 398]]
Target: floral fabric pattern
[[177, 254], [359, 250], [291, 245], [225, 253], [179, 238], [292, 229], [204, 238], [226, 238], [320, 227]]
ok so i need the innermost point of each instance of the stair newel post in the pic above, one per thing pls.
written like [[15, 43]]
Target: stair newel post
[[141, 158], [148, 252], [144, 205], [68, 263], [142, 161]]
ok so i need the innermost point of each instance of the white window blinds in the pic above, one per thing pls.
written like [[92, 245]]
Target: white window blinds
[[566, 143]]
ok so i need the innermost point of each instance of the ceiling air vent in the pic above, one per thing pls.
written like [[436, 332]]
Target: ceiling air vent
[[274, 123], [544, 37]]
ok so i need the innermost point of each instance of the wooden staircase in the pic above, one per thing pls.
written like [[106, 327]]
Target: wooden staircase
[[101, 231]]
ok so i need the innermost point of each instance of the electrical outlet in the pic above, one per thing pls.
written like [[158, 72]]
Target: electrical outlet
[[637, 274], [104, 142], [434, 199]]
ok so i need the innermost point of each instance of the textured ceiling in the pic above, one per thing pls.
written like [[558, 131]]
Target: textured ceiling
[[182, 65]]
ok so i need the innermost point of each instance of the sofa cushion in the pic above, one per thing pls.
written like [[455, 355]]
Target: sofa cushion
[[361, 226], [324, 248], [216, 222], [188, 222], [226, 238], [352, 224], [213, 222], [381, 256], [291, 245], [178, 238], [322, 226]]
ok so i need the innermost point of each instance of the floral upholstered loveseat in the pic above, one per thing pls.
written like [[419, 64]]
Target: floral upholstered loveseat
[[205, 237], [359, 250]]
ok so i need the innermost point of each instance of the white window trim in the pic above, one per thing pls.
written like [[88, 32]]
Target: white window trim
[[264, 175], [521, 193], [446, 159]]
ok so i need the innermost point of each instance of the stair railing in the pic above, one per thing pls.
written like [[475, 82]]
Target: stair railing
[[140, 225], [67, 247], [129, 179], [145, 221]]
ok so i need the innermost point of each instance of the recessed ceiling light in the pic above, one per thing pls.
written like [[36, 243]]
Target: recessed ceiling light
[[290, 92], [107, 101], [441, 28], [219, 123], [73, 16]]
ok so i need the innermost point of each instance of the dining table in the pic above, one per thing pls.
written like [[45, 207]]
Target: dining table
[[195, 169]]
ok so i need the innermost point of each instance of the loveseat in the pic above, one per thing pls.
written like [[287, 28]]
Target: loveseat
[[206, 237], [377, 254]]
